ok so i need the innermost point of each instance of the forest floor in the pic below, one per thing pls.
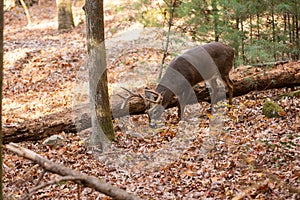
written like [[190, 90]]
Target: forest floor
[[254, 158]]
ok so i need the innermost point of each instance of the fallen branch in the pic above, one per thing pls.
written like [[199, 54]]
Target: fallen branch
[[69, 174], [52, 182]]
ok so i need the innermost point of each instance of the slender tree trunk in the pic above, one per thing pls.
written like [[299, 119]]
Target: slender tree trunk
[[273, 30], [99, 100], [64, 13], [168, 38], [289, 28], [285, 23], [294, 40], [273, 22], [297, 29], [236, 43], [285, 34], [216, 19], [258, 25], [251, 29], [293, 28], [1, 80], [26, 12], [243, 42]]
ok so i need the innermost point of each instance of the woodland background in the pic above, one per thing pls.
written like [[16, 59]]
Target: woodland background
[[255, 158]]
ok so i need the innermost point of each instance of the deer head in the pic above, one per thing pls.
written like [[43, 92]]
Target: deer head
[[155, 109]]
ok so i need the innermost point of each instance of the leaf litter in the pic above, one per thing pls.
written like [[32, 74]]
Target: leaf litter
[[255, 157]]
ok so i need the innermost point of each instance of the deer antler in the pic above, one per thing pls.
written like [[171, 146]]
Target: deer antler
[[159, 96], [131, 94]]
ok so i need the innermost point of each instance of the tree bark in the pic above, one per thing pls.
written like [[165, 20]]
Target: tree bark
[[99, 99], [1, 88], [82, 178], [245, 80]]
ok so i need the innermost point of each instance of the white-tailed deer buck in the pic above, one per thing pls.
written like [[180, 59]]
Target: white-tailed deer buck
[[210, 63]]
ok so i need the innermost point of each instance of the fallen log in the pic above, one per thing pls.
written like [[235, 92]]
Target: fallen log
[[246, 79]]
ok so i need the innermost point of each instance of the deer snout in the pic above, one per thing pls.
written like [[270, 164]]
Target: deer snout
[[154, 114]]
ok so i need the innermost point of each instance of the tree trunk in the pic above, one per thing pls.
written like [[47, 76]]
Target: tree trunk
[[251, 29], [236, 43], [99, 99], [243, 42], [258, 25], [26, 12], [297, 30], [170, 24], [245, 81], [215, 19], [273, 29], [1, 88], [64, 14]]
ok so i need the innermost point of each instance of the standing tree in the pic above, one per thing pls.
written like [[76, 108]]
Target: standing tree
[[99, 100], [171, 5], [214, 5], [1, 80], [64, 14], [26, 12]]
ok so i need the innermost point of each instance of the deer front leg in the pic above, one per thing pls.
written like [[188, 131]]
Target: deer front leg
[[182, 101], [180, 111]]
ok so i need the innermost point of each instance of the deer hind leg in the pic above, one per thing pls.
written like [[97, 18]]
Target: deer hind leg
[[181, 105], [180, 111], [229, 84]]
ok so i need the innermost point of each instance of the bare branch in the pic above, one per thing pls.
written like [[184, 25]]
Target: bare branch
[[86, 180], [41, 177], [52, 182]]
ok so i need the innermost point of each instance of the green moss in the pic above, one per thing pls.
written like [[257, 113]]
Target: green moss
[[271, 109]]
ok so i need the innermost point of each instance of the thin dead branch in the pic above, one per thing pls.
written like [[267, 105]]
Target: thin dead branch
[[69, 174], [52, 182]]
